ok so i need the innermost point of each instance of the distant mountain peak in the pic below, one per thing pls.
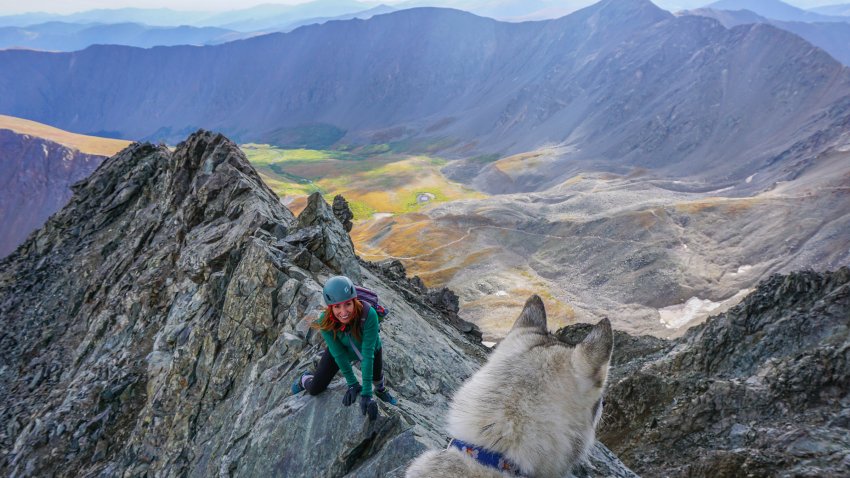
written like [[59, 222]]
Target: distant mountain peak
[[635, 12], [626, 6]]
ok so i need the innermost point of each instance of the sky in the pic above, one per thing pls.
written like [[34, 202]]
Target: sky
[[8, 7]]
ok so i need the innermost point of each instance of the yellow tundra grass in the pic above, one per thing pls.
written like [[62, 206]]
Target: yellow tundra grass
[[83, 143]]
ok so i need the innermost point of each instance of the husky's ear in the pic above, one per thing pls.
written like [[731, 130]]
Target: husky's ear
[[592, 355], [533, 315]]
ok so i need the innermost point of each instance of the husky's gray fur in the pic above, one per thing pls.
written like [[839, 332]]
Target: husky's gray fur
[[536, 401]]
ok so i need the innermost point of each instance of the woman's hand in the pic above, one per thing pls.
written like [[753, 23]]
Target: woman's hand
[[351, 394], [369, 407]]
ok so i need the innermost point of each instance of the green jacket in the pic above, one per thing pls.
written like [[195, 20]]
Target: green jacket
[[343, 354]]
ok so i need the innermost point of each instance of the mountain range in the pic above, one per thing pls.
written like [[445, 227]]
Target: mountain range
[[59, 36], [257, 18], [776, 10], [618, 85], [832, 37]]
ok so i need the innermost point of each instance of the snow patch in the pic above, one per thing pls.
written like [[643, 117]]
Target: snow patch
[[501, 293], [381, 215], [750, 178], [487, 344], [742, 270], [676, 316]]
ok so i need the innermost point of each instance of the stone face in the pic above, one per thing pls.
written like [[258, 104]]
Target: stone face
[[760, 390], [155, 324]]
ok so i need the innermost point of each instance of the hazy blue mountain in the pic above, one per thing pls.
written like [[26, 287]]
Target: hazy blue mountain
[[147, 16], [620, 84], [60, 36], [363, 15], [775, 10], [832, 37], [25, 19], [260, 17], [841, 10], [273, 16]]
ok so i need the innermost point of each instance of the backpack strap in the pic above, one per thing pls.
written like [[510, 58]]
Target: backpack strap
[[348, 336], [354, 347]]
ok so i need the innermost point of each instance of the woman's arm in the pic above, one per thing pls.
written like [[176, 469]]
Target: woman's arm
[[370, 340]]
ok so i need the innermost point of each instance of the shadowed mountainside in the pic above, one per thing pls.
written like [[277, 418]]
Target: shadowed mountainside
[[35, 181]]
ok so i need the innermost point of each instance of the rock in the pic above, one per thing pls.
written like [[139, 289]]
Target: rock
[[343, 212], [333, 246], [758, 390], [444, 299]]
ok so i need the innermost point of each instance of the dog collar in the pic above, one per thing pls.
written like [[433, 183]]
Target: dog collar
[[486, 457]]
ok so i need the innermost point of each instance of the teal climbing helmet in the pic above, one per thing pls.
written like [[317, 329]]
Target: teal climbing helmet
[[338, 289]]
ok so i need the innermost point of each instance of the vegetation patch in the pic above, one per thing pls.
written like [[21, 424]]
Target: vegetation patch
[[361, 210], [724, 205], [373, 179]]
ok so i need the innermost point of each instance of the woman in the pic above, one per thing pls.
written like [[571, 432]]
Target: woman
[[351, 332]]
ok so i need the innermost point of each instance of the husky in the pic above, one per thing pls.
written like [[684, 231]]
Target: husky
[[531, 410]]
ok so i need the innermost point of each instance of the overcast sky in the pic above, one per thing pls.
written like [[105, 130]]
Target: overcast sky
[[70, 6]]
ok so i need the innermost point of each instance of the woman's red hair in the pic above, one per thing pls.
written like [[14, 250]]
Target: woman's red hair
[[328, 322]]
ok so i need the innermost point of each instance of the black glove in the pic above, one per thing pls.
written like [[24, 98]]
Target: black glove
[[351, 394], [368, 407]]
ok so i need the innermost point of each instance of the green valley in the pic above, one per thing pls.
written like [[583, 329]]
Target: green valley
[[375, 180]]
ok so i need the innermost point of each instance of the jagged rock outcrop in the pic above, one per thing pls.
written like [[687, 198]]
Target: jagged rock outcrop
[[343, 212], [35, 179], [442, 299], [155, 324], [326, 237], [761, 390]]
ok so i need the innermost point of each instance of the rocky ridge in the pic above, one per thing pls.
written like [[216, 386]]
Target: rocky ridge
[[155, 324], [761, 390]]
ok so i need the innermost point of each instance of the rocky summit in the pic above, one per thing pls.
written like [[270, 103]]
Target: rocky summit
[[153, 327]]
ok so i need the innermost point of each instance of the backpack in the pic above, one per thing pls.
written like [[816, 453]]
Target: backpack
[[371, 297]]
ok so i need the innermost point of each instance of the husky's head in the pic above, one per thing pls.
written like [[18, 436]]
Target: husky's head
[[536, 400]]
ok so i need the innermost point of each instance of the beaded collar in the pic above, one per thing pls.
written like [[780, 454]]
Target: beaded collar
[[486, 457]]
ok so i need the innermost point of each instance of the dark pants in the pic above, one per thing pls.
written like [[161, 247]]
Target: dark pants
[[328, 368]]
